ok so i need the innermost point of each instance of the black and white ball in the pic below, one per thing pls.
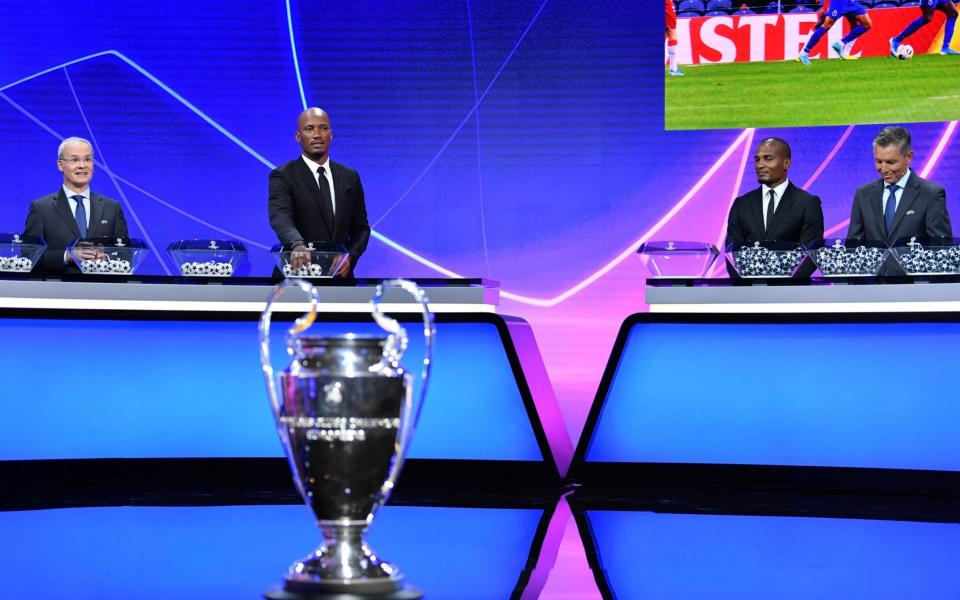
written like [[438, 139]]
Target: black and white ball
[[311, 270], [210, 268], [113, 266], [19, 264]]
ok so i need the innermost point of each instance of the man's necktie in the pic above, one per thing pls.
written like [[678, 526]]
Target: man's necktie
[[325, 190], [771, 206], [891, 208], [81, 215]]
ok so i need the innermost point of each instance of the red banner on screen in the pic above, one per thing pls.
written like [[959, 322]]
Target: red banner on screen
[[755, 38]]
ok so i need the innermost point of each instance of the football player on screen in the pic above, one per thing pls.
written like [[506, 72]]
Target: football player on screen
[[851, 10], [927, 8], [671, 35]]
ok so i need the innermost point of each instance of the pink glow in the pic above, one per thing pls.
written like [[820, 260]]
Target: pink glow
[[830, 155], [632, 248], [836, 228], [571, 577], [938, 150], [733, 196], [553, 542], [538, 381]]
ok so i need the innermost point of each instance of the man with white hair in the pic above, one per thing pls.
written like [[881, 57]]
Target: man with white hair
[[73, 211]]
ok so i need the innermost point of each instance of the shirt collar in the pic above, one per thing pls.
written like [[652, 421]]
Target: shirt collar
[[902, 182], [778, 190], [69, 193], [313, 165]]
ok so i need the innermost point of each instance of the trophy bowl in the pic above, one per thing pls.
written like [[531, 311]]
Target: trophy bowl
[[20, 253], [928, 255], [345, 413], [310, 259], [207, 258], [678, 259], [766, 259], [108, 256], [849, 257]]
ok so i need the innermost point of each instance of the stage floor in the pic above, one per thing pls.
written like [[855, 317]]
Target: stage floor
[[651, 544]]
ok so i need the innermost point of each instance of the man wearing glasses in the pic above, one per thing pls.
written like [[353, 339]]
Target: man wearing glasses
[[73, 211]]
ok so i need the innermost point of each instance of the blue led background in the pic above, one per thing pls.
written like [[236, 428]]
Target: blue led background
[[480, 129], [195, 389], [784, 394]]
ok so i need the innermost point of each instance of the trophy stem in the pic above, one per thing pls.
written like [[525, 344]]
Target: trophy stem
[[345, 537], [344, 563]]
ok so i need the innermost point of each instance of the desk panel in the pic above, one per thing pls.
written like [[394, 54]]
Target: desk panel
[[148, 386], [876, 392]]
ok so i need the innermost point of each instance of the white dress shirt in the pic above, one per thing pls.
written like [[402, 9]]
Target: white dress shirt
[[777, 195], [73, 203], [313, 166], [901, 185]]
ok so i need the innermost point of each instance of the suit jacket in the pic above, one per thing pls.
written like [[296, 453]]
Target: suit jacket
[[798, 218], [51, 218], [921, 212], [297, 211]]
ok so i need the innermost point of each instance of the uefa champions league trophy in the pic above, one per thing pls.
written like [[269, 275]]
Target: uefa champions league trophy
[[346, 414]]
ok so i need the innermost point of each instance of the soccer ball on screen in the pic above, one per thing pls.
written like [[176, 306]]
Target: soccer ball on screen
[[905, 52]]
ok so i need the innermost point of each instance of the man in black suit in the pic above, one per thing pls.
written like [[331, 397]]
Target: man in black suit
[[313, 198], [919, 207], [73, 211], [777, 210]]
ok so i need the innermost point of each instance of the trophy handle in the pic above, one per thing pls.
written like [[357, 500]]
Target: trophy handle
[[299, 325], [397, 341]]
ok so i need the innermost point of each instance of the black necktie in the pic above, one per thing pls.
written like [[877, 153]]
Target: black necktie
[[771, 206], [325, 190], [81, 215]]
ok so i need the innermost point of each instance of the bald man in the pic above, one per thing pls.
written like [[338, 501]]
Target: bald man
[[313, 199], [777, 210]]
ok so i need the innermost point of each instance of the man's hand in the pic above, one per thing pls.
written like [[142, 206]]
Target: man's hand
[[344, 269], [87, 252], [299, 257]]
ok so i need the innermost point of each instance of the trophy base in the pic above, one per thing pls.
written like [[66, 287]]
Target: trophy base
[[406, 592]]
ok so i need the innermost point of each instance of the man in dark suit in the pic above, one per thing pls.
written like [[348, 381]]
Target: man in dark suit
[[315, 199], [777, 210], [919, 207], [73, 211]]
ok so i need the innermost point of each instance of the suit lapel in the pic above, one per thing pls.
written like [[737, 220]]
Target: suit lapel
[[96, 214], [62, 207], [876, 207], [341, 197], [756, 210], [907, 198], [309, 182], [786, 203]]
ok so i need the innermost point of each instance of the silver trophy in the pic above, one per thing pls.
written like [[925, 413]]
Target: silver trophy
[[346, 414]]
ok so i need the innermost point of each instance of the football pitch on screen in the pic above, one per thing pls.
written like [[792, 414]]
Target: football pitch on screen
[[827, 92]]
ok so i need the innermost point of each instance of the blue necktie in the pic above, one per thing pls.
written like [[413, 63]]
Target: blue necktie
[[81, 215], [891, 208]]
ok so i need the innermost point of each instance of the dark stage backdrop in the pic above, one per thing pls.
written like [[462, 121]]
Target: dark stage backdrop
[[520, 140]]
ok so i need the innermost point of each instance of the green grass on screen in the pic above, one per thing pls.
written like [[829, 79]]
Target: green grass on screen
[[828, 92]]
